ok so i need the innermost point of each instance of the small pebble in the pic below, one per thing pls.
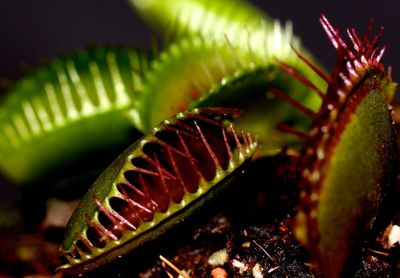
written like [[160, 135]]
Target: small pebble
[[218, 258], [242, 267], [394, 236], [257, 271], [219, 273], [246, 244]]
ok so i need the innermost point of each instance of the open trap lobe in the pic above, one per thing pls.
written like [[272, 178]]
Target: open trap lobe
[[157, 178]]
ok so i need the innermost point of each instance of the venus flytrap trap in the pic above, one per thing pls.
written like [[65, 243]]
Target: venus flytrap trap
[[177, 19], [231, 59], [350, 154], [209, 74], [154, 184], [67, 109]]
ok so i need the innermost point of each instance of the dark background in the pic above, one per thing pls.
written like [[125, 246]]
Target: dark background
[[34, 29], [31, 30]]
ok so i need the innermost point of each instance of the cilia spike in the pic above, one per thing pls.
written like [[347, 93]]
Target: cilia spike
[[152, 185], [345, 175]]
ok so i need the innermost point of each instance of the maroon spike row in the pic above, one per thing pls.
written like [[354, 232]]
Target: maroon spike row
[[354, 59]]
